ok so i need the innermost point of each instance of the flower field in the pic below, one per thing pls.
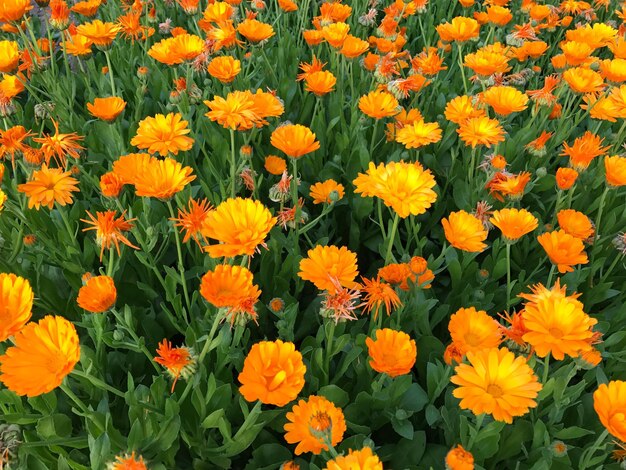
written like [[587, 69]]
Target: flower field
[[296, 234]]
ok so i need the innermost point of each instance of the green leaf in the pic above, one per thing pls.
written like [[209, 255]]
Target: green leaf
[[573, 432], [212, 421], [335, 394], [403, 427]]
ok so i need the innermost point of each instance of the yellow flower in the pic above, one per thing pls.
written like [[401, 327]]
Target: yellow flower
[[419, 134], [16, 303], [481, 131], [379, 104], [9, 56]]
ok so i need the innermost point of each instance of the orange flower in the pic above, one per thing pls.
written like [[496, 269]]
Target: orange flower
[[353, 47], [320, 83], [163, 178], [325, 263], [472, 330], [565, 178], [294, 140], [563, 250], [584, 150], [128, 462], [255, 31], [275, 165], [486, 63], [12, 141], [59, 145], [615, 171], [111, 184], [481, 131], [497, 383], [419, 134], [505, 99], [16, 303], [405, 187], [514, 223], [101, 34], [97, 295], [379, 104], [322, 192], [240, 225], [163, 134], [128, 167], [609, 401], [13, 10], [49, 185], [107, 109], [78, 45], [508, 185], [312, 421], [273, 372], [363, 459], [232, 288], [462, 108], [575, 223], [583, 80], [392, 353], [186, 46], [191, 222], [109, 230], [464, 231], [9, 56], [237, 111], [378, 293], [224, 68], [459, 459], [287, 5], [461, 29], [43, 354], [335, 34], [87, 8], [178, 361]]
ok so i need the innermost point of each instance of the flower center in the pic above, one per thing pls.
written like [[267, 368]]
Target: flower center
[[556, 332], [472, 339], [278, 379], [320, 421], [495, 390]]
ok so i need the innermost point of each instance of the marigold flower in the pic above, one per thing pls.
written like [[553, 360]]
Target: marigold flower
[[405, 187], [231, 287], [461, 108], [452, 354], [255, 31], [419, 134], [275, 165], [497, 383], [224, 68], [178, 362], [87, 8], [514, 223], [99, 33], [583, 80], [320, 83], [43, 354], [287, 6], [16, 303], [97, 295], [241, 225], [326, 192], [163, 178], [191, 222], [9, 56], [486, 63], [12, 141], [237, 111], [273, 372], [128, 167], [392, 353], [615, 171], [310, 420], [508, 185], [107, 109], [505, 99], [459, 459], [111, 184], [49, 185], [460, 29], [584, 150], [109, 230], [295, 140], [557, 325], [13, 10], [363, 459], [59, 146], [472, 330], [565, 178], [78, 45], [378, 293], [465, 231], [128, 462], [325, 263], [353, 47], [563, 249], [335, 34], [163, 134], [379, 104], [575, 223], [481, 131], [609, 401]]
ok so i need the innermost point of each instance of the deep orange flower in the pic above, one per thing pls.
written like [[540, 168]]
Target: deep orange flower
[[275, 165], [273, 372], [320, 83], [378, 293], [16, 303], [379, 104], [575, 223], [584, 150], [13, 10], [128, 167], [322, 192], [255, 31], [109, 230], [59, 146], [325, 263], [241, 225], [481, 131], [514, 223], [224, 68], [190, 222], [223, 35], [565, 178], [353, 47], [111, 184], [460, 29], [563, 250], [458, 458], [78, 45], [505, 99], [615, 171], [43, 354], [101, 34], [464, 231], [486, 63], [87, 8], [507, 185], [609, 401], [49, 185], [179, 361], [163, 178], [472, 330], [311, 421], [128, 462], [97, 295], [107, 109], [12, 141], [295, 140], [392, 353]]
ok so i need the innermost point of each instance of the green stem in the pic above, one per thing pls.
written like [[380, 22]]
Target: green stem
[[613, 264], [600, 210], [546, 369], [549, 283], [588, 454], [110, 263], [110, 73], [233, 164], [508, 276], [330, 335], [392, 236], [98, 383], [140, 344], [373, 141], [460, 59], [181, 266], [479, 423], [294, 197]]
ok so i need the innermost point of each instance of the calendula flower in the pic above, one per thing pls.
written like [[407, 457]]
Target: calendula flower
[[273, 372], [295, 140], [59, 146], [320, 83], [191, 221], [497, 383], [178, 362], [49, 185], [163, 134], [514, 223], [97, 295], [363, 459], [615, 171], [87, 8], [255, 31], [128, 167], [575, 223], [311, 421], [326, 192], [464, 231], [107, 109], [275, 165], [16, 303], [563, 250], [379, 104], [378, 293], [232, 288], [111, 184], [557, 325], [505, 99], [186, 46], [43, 354], [392, 353], [609, 401], [237, 111], [583, 80], [472, 330], [9, 56], [460, 29], [13, 10], [481, 131], [109, 230], [12, 141], [335, 34], [461, 108], [325, 263], [163, 179], [224, 68], [99, 33], [353, 47], [565, 178], [405, 187], [419, 134], [486, 63], [459, 459], [241, 225], [507, 185], [128, 462], [78, 45], [584, 150]]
